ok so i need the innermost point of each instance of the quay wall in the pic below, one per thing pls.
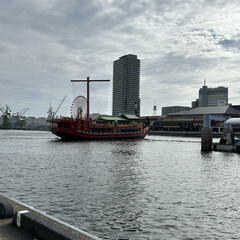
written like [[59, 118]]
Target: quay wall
[[36, 223], [181, 134]]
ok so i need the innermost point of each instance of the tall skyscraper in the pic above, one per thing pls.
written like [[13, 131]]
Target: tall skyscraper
[[126, 85]]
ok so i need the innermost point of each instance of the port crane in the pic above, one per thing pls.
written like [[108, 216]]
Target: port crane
[[20, 114], [6, 111], [51, 113], [24, 110]]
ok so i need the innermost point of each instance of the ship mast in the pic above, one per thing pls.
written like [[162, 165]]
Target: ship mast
[[88, 94]]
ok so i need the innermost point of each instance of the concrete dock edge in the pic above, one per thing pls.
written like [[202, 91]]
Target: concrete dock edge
[[6, 209], [41, 225]]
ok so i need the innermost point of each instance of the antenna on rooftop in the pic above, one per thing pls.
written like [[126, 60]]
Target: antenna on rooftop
[[204, 82]]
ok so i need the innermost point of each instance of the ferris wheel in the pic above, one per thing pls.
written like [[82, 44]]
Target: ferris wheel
[[79, 107]]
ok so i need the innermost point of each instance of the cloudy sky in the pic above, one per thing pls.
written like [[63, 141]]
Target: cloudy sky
[[46, 43]]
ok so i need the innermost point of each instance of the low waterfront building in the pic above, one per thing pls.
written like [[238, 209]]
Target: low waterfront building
[[36, 123], [22, 122], [192, 120], [174, 109], [195, 103]]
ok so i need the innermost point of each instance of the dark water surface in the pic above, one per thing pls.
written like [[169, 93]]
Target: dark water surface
[[157, 188]]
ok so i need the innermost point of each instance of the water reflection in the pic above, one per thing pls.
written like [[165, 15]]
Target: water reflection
[[125, 191], [159, 188], [206, 154]]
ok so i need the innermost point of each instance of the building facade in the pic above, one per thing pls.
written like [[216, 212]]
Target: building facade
[[126, 85], [192, 120], [210, 97], [174, 109], [195, 103]]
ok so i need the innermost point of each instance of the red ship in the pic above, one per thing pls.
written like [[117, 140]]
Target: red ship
[[81, 127]]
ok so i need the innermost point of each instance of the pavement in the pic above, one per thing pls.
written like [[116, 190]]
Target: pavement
[[46, 224], [9, 231]]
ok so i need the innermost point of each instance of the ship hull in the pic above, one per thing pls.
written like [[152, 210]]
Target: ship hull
[[81, 137], [69, 129]]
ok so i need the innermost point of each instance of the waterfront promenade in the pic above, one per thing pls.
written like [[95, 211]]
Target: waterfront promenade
[[9, 231], [181, 134], [21, 222]]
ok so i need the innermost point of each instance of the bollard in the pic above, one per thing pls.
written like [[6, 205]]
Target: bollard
[[6, 209]]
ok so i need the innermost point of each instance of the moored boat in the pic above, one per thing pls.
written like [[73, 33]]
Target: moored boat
[[230, 141], [81, 126]]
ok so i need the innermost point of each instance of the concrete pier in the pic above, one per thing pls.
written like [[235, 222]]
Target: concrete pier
[[24, 222], [206, 139], [206, 134]]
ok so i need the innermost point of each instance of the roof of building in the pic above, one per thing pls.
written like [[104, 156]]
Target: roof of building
[[123, 117], [176, 106], [218, 110], [131, 117], [112, 118]]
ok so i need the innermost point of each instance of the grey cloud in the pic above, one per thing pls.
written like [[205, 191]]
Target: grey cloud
[[230, 44], [46, 43]]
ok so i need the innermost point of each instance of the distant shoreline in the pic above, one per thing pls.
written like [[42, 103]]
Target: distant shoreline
[[181, 134], [153, 133], [26, 129]]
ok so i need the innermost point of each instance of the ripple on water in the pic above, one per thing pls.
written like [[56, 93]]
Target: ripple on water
[[161, 188]]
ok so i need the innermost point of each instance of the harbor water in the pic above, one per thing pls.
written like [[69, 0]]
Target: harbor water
[[156, 188]]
